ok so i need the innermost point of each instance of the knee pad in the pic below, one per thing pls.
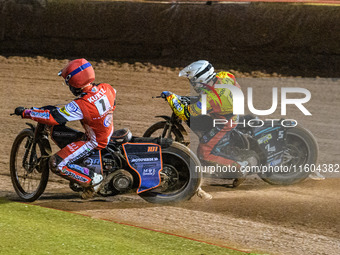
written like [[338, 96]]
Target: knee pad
[[53, 164]]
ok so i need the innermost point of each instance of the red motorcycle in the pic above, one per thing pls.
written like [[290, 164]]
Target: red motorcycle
[[160, 170]]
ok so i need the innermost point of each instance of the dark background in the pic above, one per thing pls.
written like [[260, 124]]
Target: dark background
[[289, 39]]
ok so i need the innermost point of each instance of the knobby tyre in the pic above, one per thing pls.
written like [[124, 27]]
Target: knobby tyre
[[302, 149], [179, 178]]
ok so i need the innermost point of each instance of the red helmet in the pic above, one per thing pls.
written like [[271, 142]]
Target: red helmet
[[78, 73]]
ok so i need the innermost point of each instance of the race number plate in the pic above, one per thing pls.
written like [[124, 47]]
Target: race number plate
[[272, 141]]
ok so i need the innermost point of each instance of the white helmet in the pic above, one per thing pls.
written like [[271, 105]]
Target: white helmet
[[198, 72]]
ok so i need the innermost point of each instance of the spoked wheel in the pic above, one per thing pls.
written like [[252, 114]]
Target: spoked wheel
[[171, 179], [179, 180], [302, 149], [160, 129], [29, 170]]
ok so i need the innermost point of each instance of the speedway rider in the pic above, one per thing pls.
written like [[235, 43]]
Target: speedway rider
[[219, 106], [93, 107]]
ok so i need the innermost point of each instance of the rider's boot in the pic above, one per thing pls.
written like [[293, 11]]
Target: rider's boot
[[204, 195], [95, 186], [237, 182]]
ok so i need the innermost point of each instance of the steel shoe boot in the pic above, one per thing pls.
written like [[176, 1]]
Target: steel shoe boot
[[203, 195]]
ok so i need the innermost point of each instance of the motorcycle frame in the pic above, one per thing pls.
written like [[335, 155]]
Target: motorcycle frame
[[173, 121]]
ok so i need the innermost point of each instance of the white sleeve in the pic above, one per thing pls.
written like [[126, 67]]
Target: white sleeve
[[71, 111]]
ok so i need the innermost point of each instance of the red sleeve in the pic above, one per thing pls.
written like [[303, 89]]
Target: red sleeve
[[42, 116]]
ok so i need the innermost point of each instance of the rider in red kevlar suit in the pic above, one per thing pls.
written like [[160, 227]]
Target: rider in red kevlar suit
[[93, 106]]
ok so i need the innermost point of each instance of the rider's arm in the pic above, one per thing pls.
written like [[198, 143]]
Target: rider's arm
[[180, 109], [52, 115], [196, 108], [184, 111]]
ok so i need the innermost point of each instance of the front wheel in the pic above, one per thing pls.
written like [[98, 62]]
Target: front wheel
[[28, 167], [302, 149], [179, 178], [161, 129]]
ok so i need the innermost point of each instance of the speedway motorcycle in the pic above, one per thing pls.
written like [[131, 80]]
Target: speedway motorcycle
[[277, 154], [160, 170]]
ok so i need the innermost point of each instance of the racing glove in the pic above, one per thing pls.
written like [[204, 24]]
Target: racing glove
[[165, 94], [22, 111]]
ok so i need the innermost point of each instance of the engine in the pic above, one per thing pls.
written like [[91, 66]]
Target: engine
[[111, 162], [116, 180]]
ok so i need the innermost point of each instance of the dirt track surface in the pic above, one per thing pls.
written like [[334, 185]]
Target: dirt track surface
[[299, 219]]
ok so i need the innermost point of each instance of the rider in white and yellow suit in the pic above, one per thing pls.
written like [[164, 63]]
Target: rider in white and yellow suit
[[219, 105]]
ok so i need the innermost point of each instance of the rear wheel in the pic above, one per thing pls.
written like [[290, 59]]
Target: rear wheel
[[28, 168], [302, 149], [179, 178]]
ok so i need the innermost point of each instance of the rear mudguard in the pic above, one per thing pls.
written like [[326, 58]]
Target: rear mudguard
[[146, 160], [178, 125]]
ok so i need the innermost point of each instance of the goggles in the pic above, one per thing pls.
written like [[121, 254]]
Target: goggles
[[74, 72]]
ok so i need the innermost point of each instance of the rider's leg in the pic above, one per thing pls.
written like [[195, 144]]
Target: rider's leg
[[213, 141], [62, 164]]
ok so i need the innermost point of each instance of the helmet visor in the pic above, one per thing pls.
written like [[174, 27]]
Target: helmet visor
[[64, 81]]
